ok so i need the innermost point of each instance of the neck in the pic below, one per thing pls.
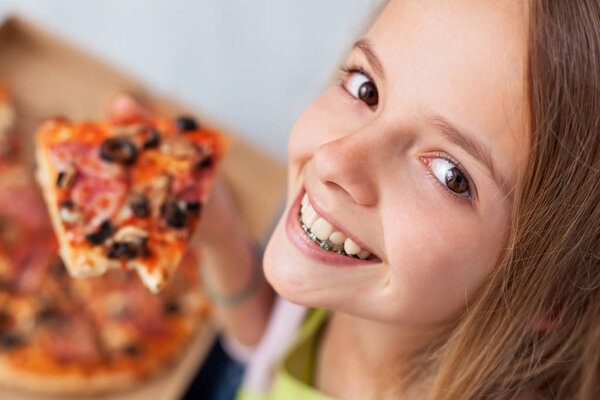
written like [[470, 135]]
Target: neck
[[360, 358]]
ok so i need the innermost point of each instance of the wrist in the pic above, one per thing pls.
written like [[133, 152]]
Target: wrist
[[229, 281]]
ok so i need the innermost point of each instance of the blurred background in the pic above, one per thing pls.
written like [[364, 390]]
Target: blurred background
[[251, 65]]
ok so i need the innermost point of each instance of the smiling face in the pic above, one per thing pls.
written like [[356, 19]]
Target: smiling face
[[408, 162]]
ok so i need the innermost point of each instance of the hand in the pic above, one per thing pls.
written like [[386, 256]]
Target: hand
[[124, 107], [220, 217]]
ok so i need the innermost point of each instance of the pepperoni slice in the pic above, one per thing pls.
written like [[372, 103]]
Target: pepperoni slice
[[99, 189], [70, 338], [146, 309], [120, 296], [33, 265], [98, 198], [86, 158], [24, 205]]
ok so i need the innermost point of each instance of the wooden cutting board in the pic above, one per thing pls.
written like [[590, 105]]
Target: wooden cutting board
[[50, 77]]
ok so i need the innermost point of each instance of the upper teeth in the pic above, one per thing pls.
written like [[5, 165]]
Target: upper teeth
[[323, 230]]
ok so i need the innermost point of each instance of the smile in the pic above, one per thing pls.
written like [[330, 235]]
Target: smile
[[328, 250], [323, 233]]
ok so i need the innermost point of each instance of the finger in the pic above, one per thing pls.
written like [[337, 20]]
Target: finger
[[126, 108]]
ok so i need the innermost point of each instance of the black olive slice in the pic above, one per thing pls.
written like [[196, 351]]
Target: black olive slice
[[193, 206], [118, 149], [186, 123], [132, 350], [172, 307], [59, 178], [68, 204], [153, 139], [129, 242], [66, 178], [128, 250], [206, 162], [174, 216], [47, 314], [104, 232], [10, 340], [123, 250], [140, 205]]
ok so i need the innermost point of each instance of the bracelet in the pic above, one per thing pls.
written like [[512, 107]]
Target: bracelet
[[234, 299]]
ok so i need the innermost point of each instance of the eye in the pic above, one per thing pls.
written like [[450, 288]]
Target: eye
[[450, 176], [359, 85]]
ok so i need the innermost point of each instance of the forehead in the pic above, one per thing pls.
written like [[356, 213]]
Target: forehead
[[465, 60]]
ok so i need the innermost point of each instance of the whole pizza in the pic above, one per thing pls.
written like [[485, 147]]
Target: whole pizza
[[60, 335]]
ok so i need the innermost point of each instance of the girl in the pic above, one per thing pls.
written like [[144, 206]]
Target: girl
[[443, 204]]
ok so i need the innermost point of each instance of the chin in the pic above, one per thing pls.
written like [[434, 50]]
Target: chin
[[284, 273], [306, 282]]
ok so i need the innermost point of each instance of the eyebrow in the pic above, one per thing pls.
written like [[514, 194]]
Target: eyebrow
[[475, 148], [365, 46]]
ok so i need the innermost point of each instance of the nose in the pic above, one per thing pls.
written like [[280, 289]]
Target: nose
[[347, 164]]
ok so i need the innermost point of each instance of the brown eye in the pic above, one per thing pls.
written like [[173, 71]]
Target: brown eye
[[362, 87], [450, 176], [368, 93], [456, 181]]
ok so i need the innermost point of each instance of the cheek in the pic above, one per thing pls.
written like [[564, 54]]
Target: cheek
[[440, 262], [304, 137], [331, 116]]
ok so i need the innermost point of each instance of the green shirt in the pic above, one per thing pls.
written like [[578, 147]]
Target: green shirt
[[294, 378]]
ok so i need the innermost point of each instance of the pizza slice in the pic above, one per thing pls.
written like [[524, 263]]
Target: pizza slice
[[126, 195]]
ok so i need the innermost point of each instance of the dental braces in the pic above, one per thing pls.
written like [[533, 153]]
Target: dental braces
[[322, 244]]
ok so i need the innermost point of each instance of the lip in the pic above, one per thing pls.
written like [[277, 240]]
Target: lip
[[299, 238]]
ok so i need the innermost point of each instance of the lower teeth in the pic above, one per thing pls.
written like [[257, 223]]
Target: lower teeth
[[325, 245]]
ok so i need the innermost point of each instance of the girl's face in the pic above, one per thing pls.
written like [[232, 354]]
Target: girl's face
[[413, 157]]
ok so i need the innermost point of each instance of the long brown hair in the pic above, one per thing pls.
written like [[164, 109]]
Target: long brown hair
[[536, 324]]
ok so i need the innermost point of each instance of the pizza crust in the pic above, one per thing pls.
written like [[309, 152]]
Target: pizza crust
[[72, 384], [86, 265]]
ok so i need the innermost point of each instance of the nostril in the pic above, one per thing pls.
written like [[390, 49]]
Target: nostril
[[335, 187]]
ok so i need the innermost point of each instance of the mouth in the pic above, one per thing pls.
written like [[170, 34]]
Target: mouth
[[322, 239]]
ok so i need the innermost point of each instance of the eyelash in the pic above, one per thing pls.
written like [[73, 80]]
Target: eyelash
[[346, 70], [445, 191], [353, 70]]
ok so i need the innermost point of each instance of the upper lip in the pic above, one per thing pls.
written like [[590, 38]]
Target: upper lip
[[336, 226]]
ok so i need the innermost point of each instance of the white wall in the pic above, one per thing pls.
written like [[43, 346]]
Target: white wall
[[253, 64]]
